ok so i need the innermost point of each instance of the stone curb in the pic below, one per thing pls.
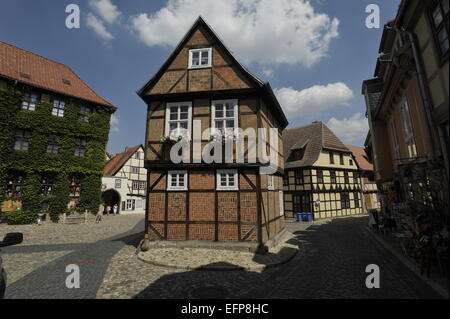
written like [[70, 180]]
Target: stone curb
[[286, 258], [409, 264]]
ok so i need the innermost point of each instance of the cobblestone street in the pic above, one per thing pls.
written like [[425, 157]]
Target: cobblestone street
[[330, 264]]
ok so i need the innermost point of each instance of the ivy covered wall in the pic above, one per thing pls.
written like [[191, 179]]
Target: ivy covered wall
[[36, 161]]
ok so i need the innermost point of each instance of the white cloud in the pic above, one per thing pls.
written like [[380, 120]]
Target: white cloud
[[114, 123], [106, 10], [313, 100], [98, 26], [351, 130], [262, 31]]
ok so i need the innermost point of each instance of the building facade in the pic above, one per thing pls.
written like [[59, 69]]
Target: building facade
[[54, 132], [203, 86], [407, 107], [369, 190], [321, 176], [124, 182]]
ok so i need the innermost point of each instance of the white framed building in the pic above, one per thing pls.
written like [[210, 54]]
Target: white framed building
[[124, 182]]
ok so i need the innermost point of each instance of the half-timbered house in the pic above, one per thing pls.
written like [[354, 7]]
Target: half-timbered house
[[202, 85], [124, 182], [321, 176]]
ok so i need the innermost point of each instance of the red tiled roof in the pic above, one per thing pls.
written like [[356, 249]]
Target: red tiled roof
[[115, 163], [361, 158], [44, 73]]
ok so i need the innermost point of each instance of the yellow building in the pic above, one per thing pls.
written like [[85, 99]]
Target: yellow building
[[321, 176]]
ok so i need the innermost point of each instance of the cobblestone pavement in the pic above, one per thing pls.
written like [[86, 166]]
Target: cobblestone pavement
[[331, 264], [36, 268]]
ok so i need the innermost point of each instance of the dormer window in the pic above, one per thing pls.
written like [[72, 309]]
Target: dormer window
[[200, 58]]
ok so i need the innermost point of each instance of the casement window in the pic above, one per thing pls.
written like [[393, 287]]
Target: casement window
[[281, 202], [394, 138], [135, 169], [270, 182], [439, 20], [47, 183], [177, 180], [408, 130], [227, 179], [85, 113], [58, 107], [298, 154], [14, 185], [224, 116], [333, 177], [178, 119], [298, 177], [331, 155], [53, 144], [200, 58], [356, 199], [118, 183], [135, 185], [346, 179], [302, 204], [131, 204], [75, 186], [22, 140], [141, 185], [29, 101], [350, 162], [137, 155], [345, 200], [319, 176], [80, 147], [341, 158]]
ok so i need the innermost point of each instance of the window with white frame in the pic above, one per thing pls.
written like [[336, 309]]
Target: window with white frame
[[227, 179], [118, 183], [200, 58], [224, 116], [135, 169], [141, 185], [131, 204], [178, 119], [281, 201], [177, 180], [408, 130], [85, 113], [29, 101], [270, 182], [58, 107]]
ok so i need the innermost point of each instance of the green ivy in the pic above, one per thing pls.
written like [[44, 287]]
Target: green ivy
[[36, 161]]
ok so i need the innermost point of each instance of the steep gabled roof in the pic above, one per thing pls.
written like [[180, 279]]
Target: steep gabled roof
[[116, 163], [313, 138], [265, 86], [361, 158], [35, 70]]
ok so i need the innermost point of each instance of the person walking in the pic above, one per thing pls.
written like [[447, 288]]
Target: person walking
[[116, 209]]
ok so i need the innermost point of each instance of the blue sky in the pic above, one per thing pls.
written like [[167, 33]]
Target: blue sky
[[315, 54]]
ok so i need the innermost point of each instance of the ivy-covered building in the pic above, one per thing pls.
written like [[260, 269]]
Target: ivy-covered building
[[53, 133], [320, 174]]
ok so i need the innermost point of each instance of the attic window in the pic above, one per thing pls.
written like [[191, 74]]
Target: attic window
[[24, 75], [66, 81], [298, 154], [200, 58]]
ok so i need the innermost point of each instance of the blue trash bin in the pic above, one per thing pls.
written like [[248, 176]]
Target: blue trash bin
[[299, 217], [309, 217]]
